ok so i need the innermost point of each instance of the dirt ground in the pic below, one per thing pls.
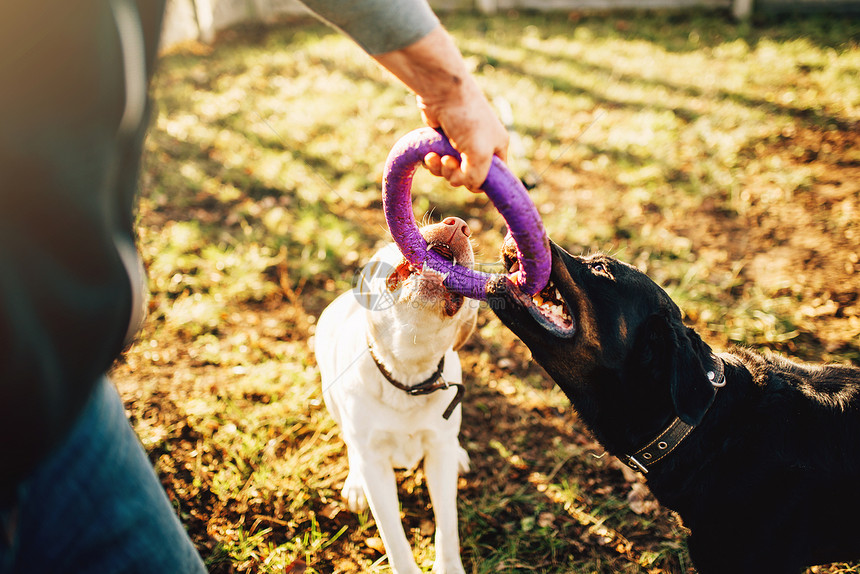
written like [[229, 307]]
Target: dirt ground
[[790, 247], [803, 249], [791, 244]]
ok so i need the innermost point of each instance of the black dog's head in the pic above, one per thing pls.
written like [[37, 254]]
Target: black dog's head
[[613, 341]]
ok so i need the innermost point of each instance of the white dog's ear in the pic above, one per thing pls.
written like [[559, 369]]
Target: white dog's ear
[[468, 319]]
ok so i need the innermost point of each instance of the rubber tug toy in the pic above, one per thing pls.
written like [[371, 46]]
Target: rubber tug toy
[[509, 197]]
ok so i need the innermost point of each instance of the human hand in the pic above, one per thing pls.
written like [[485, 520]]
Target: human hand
[[473, 129], [449, 97]]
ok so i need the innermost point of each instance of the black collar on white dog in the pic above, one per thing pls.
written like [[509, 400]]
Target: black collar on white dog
[[432, 384], [677, 430]]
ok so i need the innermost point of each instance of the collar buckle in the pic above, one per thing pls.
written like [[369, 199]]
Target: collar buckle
[[636, 465]]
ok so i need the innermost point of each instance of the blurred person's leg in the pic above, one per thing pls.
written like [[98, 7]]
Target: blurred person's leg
[[96, 506]]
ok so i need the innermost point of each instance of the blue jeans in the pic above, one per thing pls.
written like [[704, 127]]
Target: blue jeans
[[95, 506]]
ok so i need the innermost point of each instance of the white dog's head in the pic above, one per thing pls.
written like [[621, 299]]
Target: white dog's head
[[397, 293]]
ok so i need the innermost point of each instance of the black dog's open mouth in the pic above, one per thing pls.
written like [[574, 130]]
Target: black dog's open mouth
[[548, 307]]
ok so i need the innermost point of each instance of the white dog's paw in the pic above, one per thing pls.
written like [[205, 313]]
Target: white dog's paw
[[353, 493], [452, 567], [463, 465]]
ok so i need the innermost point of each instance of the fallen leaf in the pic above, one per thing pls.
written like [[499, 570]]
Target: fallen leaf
[[427, 528], [640, 501], [546, 519], [330, 511], [375, 543]]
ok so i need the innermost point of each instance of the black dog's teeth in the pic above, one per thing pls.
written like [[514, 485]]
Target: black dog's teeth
[[549, 301], [551, 304], [512, 264]]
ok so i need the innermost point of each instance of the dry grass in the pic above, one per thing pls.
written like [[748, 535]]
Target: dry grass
[[721, 159]]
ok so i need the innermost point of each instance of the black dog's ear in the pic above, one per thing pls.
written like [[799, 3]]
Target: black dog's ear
[[667, 352], [692, 391]]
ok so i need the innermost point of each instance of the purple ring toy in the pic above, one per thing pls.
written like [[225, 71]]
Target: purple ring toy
[[504, 190]]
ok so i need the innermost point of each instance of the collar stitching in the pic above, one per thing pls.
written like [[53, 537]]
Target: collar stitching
[[673, 435]]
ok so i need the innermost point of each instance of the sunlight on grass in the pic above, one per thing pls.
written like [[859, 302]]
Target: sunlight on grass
[[719, 158]]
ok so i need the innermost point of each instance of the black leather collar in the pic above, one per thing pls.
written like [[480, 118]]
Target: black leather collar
[[432, 384], [675, 433]]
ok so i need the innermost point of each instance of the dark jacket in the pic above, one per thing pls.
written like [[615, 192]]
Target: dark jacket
[[70, 148]]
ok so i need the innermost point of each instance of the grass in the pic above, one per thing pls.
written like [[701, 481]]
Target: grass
[[720, 158]]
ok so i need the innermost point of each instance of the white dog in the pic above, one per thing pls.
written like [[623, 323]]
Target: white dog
[[391, 378]]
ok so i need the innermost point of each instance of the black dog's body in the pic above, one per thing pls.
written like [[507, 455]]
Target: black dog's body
[[767, 481], [770, 479]]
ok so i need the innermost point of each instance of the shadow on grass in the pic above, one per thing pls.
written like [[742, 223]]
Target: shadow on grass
[[538, 497], [678, 30], [808, 115]]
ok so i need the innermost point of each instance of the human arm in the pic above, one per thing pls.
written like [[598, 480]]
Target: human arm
[[405, 37], [449, 97]]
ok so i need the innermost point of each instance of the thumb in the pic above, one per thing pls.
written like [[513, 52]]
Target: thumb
[[474, 172], [502, 153]]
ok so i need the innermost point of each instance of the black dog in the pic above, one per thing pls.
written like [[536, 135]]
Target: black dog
[[760, 456]]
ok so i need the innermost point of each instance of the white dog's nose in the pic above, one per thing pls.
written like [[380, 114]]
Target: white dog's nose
[[458, 225], [450, 239]]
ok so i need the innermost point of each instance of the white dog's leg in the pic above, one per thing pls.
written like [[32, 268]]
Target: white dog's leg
[[463, 463], [353, 487], [380, 487], [442, 483]]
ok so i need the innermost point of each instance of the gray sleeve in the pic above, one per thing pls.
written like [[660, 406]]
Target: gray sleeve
[[378, 26]]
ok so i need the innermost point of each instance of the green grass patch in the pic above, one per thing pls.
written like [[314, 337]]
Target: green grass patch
[[720, 158]]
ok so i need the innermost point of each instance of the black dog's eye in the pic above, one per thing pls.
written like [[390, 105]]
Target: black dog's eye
[[599, 267]]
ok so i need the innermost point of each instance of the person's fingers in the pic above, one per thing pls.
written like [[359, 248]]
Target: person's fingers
[[457, 173], [433, 162], [475, 172], [502, 152], [471, 169], [451, 170], [447, 167]]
